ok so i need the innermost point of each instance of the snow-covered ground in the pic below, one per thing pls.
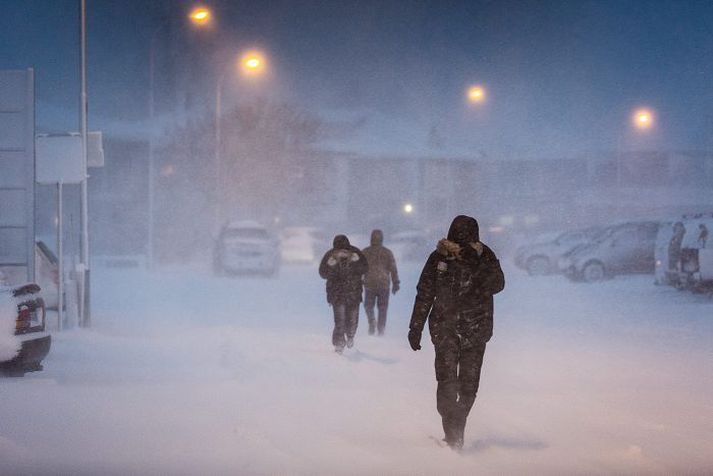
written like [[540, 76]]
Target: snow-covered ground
[[185, 373]]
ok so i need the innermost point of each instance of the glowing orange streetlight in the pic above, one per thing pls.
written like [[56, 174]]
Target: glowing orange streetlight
[[476, 94], [252, 63], [643, 119], [200, 16]]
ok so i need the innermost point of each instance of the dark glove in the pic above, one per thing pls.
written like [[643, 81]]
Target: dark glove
[[414, 339], [395, 288]]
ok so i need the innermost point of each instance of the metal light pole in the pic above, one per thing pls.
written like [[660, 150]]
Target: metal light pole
[[85, 308], [217, 155], [151, 166], [201, 17], [250, 64]]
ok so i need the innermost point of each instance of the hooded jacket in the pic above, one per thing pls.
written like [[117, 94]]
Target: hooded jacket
[[382, 265], [343, 267], [457, 284]]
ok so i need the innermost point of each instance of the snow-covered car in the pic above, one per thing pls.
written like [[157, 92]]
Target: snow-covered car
[[695, 268], [541, 257], [246, 247], [411, 245], [24, 343], [621, 249], [302, 244]]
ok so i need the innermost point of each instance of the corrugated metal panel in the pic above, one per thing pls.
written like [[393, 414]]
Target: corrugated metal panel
[[17, 170]]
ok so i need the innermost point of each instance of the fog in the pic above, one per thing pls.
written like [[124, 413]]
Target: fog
[[305, 120]]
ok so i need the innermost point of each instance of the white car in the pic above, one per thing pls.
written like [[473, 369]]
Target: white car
[[246, 247], [302, 244]]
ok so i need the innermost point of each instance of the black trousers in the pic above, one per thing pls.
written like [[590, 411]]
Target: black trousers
[[380, 299], [346, 319], [458, 375]]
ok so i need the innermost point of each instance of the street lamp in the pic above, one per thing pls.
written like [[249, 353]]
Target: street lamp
[[643, 119], [251, 64], [200, 16], [408, 208], [476, 94]]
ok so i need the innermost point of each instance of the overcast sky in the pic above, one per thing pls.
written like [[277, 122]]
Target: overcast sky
[[561, 77]]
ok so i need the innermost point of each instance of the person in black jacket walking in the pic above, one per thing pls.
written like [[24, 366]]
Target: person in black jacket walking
[[455, 294], [343, 267]]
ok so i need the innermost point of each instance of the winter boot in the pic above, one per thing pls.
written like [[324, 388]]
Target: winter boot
[[458, 431], [338, 349], [350, 342], [451, 432]]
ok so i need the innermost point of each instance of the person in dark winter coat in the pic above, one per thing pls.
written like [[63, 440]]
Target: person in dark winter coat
[[674, 246], [455, 294], [343, 267], [382, 275]]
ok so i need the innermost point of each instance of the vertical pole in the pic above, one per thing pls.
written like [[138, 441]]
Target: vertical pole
[[85, 313], [30, 201], [218, 163], [150, 231], [60, 258]]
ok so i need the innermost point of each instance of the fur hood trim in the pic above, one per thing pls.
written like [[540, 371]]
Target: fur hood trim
[[448, 248]]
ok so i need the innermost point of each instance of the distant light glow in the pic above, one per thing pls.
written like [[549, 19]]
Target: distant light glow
[[252, 63], [408, 208], [167, 170], [643, 119], [476, 94], [200, 15]]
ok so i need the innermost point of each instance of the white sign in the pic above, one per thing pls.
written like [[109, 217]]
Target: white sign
[[59, 159], [59, 156]]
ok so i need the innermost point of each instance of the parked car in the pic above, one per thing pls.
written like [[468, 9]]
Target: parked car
[[34, 341], [695, 269], [302, 244], [621, 249], [541, 256], [246, 247]]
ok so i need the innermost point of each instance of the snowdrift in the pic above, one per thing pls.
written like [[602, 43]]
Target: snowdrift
[[9, 343]]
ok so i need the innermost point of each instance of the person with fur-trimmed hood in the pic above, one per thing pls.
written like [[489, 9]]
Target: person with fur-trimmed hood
[[381, 278], [343, 267], [455, 295]]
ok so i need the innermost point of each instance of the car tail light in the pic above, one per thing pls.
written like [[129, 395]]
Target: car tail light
[[24, 319], [31, 313]]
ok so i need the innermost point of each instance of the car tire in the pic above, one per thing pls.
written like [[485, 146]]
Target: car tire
[[593, 271], [538, 266]]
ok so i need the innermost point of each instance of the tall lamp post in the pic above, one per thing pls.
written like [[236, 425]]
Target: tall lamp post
[[84, 308], [643, 120], [250, 64], [201, 17]]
